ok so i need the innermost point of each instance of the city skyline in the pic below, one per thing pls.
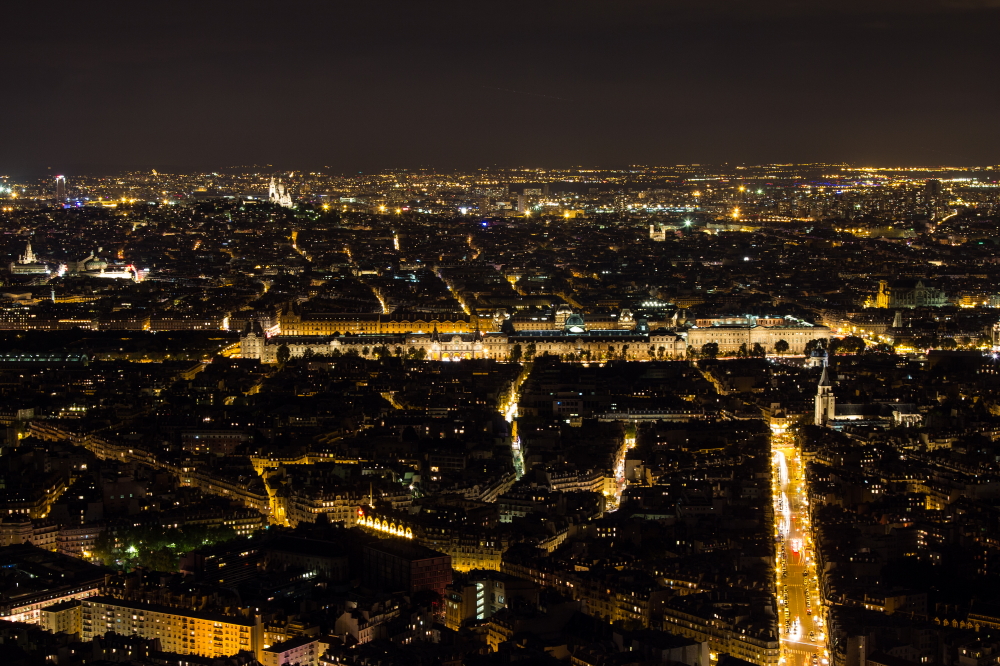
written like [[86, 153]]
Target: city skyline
[[561, 333], [718, 414]]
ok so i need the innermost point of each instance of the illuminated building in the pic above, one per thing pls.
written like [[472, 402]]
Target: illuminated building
[[731, 338], [35, 500], [302, 650], [77, 541], [60, 188], [389, 527], [277, 193], [468, 548], [338, 506], [909, 294], [54, 579], [825, 400], [64, 617], [292, 321], [594, 345], [601, 345], [28, 264], [470, 551], [93, 266], [42, 534], [431, 346], [723, 635], [179, 630]]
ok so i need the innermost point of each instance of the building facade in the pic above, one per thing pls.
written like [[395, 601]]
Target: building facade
[[436, 346], [62, 618], [731, 338], [292, 320], [28, 264], [909, 294], [179, 630], [302, 650]]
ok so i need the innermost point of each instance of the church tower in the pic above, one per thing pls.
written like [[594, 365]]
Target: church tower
[[28, 257], [825, 402]]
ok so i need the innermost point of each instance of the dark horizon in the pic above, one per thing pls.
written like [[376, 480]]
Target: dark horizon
[[370, 86], [41, 173]]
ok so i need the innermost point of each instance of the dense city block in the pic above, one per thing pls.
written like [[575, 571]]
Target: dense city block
[[701, 415]]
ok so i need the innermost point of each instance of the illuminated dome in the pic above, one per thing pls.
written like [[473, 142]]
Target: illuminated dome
[[574, 324], [95, 264]]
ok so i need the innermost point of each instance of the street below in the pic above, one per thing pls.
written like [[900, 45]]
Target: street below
[[800, 613]]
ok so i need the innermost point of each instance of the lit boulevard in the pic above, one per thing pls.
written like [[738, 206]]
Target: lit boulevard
[[509, 411], [800, 620]]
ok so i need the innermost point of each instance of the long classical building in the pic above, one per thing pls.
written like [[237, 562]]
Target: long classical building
[[568, 335], [731, 337], [292, 320], [295, 320], [453, 346]]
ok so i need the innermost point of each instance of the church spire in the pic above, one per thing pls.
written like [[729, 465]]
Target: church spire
[[826, 403], [824, 379]]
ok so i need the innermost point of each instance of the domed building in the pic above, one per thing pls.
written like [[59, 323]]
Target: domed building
[[93, 266]]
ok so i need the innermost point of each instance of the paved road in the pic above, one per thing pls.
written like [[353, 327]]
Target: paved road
[[798, 607]]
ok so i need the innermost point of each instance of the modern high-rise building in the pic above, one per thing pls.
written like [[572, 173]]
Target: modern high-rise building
[[60, 188]]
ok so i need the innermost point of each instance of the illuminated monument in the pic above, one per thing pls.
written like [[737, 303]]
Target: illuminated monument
[[93, 266], [28, 264], [279, 194]]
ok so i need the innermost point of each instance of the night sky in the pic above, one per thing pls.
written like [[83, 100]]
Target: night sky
[[368, 85]]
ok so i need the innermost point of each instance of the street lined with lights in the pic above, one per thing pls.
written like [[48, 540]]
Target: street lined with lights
[[800, 620]]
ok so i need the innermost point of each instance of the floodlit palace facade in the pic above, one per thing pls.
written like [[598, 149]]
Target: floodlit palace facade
[[458, 337]]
